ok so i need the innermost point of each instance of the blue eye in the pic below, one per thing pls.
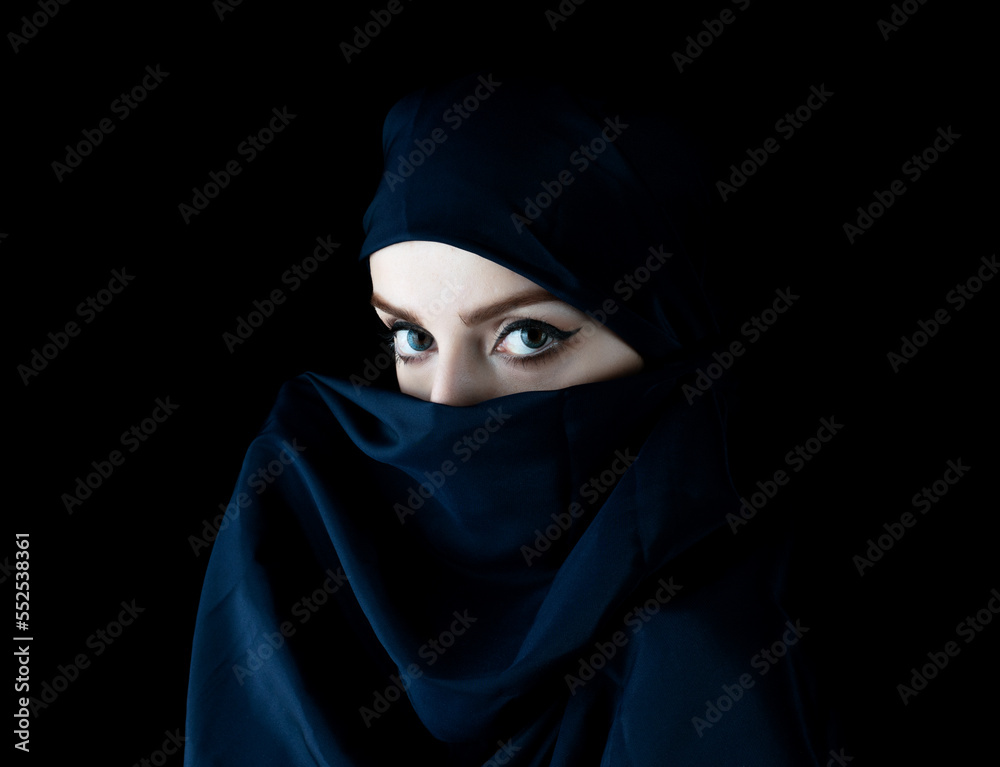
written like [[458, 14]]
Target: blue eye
[[522, 341], [534, 338], [409, 341], [418, 340], [525, 338]]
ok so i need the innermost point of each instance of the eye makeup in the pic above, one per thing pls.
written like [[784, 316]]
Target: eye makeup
[[522, 341]]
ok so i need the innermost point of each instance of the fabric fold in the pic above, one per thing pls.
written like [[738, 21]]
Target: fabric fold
[[544, 578]]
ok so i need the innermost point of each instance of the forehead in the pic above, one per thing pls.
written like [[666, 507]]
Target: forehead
[[420, 281], [418, 270]]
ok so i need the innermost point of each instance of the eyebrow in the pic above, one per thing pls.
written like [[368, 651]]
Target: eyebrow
[[476, 316]]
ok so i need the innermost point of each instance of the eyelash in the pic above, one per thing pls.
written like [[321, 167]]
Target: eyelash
[[522, 359]]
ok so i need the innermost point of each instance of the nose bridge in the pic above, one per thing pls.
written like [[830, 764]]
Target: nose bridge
[[460, 379]]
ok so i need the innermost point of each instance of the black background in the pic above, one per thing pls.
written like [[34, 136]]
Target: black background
[[162, 336]]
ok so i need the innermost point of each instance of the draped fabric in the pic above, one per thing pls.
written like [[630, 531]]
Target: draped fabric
[[544, 578]]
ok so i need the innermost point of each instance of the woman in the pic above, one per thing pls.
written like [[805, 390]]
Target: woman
[[521, 555]]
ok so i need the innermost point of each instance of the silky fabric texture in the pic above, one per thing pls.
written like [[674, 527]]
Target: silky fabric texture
[[545, 578], [385, 575]]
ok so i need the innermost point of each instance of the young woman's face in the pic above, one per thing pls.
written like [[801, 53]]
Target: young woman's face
[[466, 329]]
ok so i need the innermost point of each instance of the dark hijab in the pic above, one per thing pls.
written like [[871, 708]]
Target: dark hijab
[[545, 578]]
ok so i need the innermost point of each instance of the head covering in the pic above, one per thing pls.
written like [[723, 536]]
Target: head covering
[[545, 578], [574, 193]]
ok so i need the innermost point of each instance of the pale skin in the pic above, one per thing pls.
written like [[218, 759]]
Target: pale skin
[[466, 329]]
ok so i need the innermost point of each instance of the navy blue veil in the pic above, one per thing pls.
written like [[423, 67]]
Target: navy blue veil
[[544, 578]]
